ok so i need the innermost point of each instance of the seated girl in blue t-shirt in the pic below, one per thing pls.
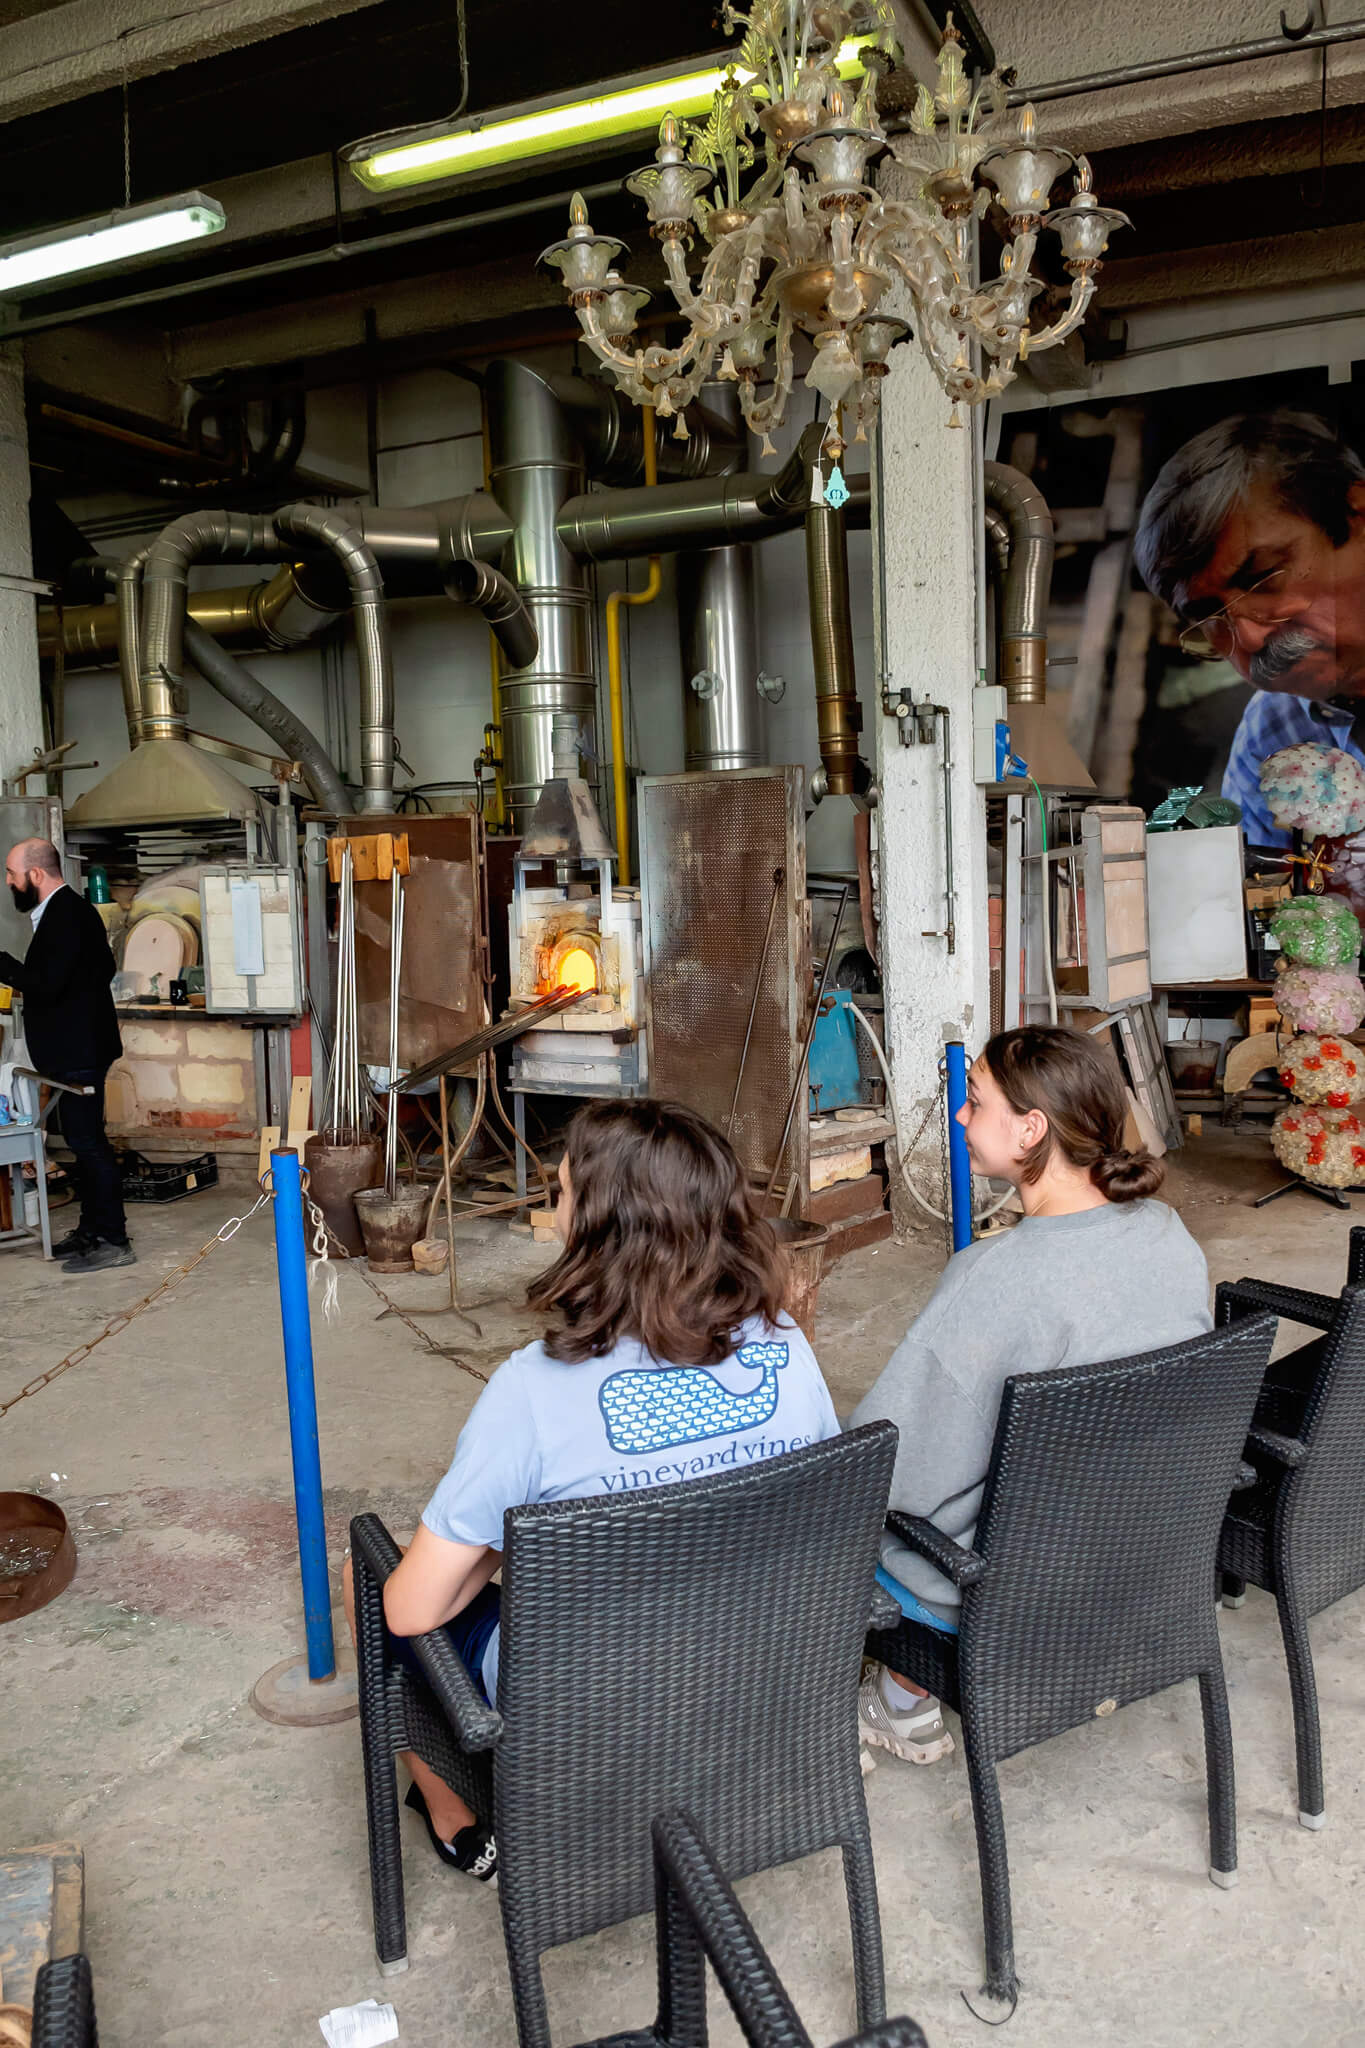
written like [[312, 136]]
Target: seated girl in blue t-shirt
[[667, 1356]]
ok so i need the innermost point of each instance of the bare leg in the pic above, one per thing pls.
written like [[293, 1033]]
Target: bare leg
[[448, 1811]]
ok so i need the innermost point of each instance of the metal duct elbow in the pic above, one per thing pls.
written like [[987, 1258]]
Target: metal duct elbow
[[838, 712], [502, 604], [128, 599], [318, 526], [221, 536], [788, 493], [236, 682], [1027, 582]]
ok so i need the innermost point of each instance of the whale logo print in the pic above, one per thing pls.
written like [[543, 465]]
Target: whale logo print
[[656, 1409]]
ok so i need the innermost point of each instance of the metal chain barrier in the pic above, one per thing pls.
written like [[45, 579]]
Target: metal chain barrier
[[125, 1316], [326, 1242], [940, 1103]]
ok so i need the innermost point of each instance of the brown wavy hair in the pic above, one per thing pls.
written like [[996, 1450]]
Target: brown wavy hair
[[1078, 1088], [665, 1242]]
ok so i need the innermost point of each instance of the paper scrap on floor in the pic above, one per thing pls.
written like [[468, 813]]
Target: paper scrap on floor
[[359, 2026]]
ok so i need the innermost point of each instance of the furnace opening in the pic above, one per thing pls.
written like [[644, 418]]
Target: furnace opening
[[577, 969]]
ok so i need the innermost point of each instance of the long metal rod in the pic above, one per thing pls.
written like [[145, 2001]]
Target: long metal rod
[[949, 890], [801, 1081], [1193, 60], [470, 1048], [779, 876], [395, 975]]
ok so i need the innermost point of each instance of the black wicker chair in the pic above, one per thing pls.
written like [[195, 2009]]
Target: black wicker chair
[[1299, 1532], [697, 1642], [1090, 1584], [698, 1916], [64, 2005]]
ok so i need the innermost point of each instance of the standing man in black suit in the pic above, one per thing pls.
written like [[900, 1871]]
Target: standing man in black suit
[[73, 1036]]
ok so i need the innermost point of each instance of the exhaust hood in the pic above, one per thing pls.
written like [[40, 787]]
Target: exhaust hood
[[164, 782]]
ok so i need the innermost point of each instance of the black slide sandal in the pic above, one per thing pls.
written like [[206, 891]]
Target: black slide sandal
[[476, 1860]]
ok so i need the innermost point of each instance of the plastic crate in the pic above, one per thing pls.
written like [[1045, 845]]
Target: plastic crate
[[146, 1180]]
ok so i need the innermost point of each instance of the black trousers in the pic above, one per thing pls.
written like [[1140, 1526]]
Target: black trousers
[[96, 1174]]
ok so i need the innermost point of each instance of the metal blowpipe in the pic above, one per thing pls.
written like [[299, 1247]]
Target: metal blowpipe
[[346, 1114], [395, 977]]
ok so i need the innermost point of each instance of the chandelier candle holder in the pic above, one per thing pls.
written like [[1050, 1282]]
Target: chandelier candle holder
[[775, 183]]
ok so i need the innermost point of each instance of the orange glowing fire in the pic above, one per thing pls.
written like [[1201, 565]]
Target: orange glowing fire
[[578, 969]]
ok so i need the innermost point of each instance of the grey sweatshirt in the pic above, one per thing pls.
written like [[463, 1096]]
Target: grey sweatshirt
[[1055, 1290]]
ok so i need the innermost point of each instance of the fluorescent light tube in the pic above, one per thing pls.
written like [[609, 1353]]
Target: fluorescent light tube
[[416, 155], [107, 239]]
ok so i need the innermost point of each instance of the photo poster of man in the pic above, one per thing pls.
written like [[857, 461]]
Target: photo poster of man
[[1208, 596]]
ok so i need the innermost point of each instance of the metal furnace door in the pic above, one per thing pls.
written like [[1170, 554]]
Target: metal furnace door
[[711, 847], [445, 948]]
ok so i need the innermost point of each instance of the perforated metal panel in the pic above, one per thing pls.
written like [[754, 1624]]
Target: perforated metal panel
[[711, 846]]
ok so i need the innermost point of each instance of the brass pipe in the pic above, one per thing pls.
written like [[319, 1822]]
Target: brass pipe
[[620, 778], [247, 616]]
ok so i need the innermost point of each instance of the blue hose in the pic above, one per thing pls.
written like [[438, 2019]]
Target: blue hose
[[959, 1163], [291, 1259]]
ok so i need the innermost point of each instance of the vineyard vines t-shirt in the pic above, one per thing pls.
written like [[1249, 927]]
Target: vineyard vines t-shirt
[[546, 1430]]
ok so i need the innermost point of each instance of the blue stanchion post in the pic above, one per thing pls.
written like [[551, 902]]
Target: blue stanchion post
[[291, 1259], [959, 1163]]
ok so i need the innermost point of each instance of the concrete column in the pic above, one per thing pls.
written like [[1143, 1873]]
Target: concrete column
[[21, 720], [925, 521]]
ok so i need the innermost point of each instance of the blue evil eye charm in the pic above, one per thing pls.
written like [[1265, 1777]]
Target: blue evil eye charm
[[837, 492]]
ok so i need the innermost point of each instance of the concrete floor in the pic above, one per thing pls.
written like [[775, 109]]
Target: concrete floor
[[225, 1857]]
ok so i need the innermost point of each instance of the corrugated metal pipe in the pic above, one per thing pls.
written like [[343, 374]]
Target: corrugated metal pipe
[[128, 610], [1022, 665], [234, 681], [504, 608], [221, 536], [320, 527], [839, 714]]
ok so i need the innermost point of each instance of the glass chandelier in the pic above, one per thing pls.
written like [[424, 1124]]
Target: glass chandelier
[[807, 245]]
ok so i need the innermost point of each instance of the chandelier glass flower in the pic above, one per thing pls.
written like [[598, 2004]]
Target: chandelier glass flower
[[776, 183]]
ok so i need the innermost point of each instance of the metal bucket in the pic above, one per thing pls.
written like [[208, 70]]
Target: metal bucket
[[1193, 1062], [391, 1225], [804, 1245], [336, 1174], [37, 1554]]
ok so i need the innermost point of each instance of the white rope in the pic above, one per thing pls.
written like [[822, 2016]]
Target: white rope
[[330, 1308]]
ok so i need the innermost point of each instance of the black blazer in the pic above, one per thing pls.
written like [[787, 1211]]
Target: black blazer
[[69, 1018]]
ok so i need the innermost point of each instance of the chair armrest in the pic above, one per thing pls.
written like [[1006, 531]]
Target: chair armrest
[[884, 1611], [1238, 1298], [1285, 1450], [476, 1724], [46, 1080], [963, 1567]]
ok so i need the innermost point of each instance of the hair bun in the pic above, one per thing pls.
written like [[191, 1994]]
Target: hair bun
[[1124, 1176]]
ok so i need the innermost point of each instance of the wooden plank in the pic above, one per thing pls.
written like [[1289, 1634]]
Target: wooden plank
[[42, 1913]]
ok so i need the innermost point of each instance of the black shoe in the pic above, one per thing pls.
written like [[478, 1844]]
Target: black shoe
[[474, 1850], [74, 1241], [100, 1257]]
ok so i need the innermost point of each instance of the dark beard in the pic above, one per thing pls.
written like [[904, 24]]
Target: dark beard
[[25, 898]]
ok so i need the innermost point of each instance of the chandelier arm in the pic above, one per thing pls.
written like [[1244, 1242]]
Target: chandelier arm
[[1082, 292]]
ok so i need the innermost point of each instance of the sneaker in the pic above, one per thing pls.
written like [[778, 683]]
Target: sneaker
[[74, 1241], [474, 1850], [100, 1257], [919, 1737]]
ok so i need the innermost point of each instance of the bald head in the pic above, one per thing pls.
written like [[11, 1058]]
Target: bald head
[[33, 870]]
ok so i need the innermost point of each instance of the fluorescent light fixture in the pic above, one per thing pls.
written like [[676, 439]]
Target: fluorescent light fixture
[[107, 239], [415, 155]]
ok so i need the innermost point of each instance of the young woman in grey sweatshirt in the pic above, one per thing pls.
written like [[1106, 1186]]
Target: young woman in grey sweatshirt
[[1096, 1270]]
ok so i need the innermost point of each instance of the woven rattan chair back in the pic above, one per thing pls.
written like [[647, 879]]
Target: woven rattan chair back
[[1321, 1510], [1099, 1525], [695, 1644]]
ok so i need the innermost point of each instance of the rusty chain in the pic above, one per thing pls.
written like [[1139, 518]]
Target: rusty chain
[[125, 1316]]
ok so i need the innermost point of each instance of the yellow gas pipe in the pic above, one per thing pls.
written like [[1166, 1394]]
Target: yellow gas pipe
[[620, 778]]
